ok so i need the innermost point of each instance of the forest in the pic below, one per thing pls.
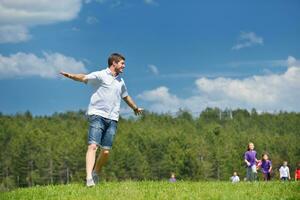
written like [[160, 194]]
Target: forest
[[42, 150]]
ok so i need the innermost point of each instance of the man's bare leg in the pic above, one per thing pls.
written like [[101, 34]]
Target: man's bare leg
[[90, 160], [101, 160]]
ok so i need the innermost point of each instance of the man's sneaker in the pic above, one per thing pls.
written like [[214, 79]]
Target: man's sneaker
[[95, 177], [90, 182]]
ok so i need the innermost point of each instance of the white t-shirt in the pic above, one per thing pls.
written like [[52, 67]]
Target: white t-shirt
[[284, 171], [108, 91], [235, 179]]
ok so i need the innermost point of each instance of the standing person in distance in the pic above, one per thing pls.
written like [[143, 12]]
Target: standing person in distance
[[103, 111], [235, 178], [297, 172], [172, 179], [284, 172], [250, 160], [266, 167]]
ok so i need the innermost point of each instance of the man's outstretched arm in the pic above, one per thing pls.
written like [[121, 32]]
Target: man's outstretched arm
[[75, 77], [131, 104]]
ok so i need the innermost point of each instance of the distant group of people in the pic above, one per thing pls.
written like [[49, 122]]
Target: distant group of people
[[265, 164], [253, 165]]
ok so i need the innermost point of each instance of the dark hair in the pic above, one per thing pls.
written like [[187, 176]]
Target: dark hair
[[115, 57]]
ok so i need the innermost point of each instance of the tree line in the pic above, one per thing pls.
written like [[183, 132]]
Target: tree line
[[40, 150]]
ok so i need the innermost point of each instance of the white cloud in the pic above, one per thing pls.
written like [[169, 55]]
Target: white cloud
[[14, 34], [48, 66], [92, 20], [292, 61], [162, 100], [153, 69], [266, 93], [248, 39], [17, 17]]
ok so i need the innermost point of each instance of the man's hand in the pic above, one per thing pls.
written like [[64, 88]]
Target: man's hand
[[65, 74], [133, 106], [75, 77], [138, 111]]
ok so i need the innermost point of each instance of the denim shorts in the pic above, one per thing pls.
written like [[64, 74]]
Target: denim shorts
[[101, 131]]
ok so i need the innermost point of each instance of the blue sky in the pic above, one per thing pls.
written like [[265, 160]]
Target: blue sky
[[179, 54]]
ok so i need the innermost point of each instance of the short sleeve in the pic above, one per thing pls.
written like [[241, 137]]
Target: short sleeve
[[124, 92], [246, 156], [93, 78]]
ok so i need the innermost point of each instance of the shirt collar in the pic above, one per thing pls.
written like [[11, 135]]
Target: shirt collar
[[108, 71]]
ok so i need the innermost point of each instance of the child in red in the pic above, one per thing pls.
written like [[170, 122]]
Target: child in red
[[297, 173]]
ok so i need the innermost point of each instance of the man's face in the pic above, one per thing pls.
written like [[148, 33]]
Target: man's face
[[119, 66]]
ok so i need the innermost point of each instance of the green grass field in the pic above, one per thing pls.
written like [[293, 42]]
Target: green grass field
[[160, 190]]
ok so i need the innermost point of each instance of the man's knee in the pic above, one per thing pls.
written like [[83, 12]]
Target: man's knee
[[92, 147], [105, 152]]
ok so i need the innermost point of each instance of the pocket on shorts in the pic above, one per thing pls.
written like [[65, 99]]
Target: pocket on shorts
[[92, 117], [95, 121]]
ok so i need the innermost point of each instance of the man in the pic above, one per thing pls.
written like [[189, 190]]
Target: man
[[103, 111]]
